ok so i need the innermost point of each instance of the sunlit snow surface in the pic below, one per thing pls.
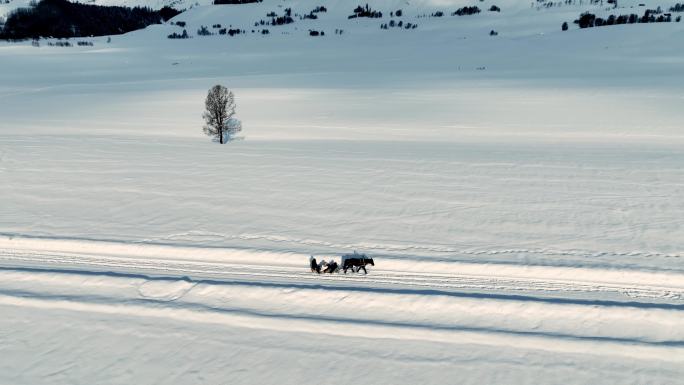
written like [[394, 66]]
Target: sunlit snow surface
[[522, 196]]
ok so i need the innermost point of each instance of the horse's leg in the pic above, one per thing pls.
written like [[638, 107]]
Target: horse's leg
[[364, 269]]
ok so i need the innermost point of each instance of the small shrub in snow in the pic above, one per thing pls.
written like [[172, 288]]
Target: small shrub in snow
[[494, 8], [677, 8], [400, 24], [493, 33], [438, 14], [282, 20], [360, 11], [204, 31], [180, 24], [177, 35], [564, 27], [586, 20], [60, 44], [312, 15]]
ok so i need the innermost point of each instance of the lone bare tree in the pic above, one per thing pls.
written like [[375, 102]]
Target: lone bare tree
[[219, 116]]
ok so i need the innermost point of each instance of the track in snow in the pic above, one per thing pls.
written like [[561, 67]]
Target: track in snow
[[436, 312], [563, 290]]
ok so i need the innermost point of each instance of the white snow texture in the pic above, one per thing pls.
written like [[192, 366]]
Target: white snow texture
[[522, 196]]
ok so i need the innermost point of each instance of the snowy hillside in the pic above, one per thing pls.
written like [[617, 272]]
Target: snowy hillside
[[522, 195]]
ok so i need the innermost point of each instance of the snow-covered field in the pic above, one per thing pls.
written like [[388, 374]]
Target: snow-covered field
[[522, 195]]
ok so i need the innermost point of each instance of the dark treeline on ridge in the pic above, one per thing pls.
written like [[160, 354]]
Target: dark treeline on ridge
[[219, 2], [63, 19]]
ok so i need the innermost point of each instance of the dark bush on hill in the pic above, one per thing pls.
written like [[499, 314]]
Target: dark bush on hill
[[366, 11], [466, 11], [279, 20], [677, 8], [60, 44], [588, 20], [60, 18], [204, 31], [177, 35]]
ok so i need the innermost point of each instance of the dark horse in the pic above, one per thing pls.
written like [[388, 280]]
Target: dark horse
[[356, 262]]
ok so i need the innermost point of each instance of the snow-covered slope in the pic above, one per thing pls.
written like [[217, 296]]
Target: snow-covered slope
[[522, 195], [448, 77]]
